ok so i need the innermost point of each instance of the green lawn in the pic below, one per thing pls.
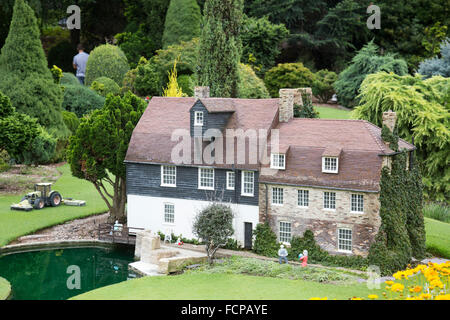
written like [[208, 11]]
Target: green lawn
[[14, 224], [5, 289], [332, 113], [438, 240], [201, 286]]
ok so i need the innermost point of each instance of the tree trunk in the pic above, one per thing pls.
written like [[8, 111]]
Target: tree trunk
[[117, 212]]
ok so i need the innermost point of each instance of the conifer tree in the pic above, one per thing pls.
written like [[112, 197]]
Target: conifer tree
[[173, 89], [182, 22], [24, 76], [220, 47]]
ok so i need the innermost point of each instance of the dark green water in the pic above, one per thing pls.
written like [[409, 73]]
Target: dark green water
[[61, 274]]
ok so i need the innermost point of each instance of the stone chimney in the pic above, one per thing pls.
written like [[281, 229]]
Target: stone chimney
[[201, 92], [288, 97], [389, 119]]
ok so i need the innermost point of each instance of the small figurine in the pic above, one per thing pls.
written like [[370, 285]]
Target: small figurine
[[179, 242], [303, 258], [282, 255]]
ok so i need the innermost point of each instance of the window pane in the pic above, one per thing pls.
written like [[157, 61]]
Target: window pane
[[330, 164], [345, 240], [248, 182], [303, 198], [230, 180], [169, 213], [285, 232], [277, 195], [278, 161], [357, 204], [169, 175], [206, 178], [329, 200]]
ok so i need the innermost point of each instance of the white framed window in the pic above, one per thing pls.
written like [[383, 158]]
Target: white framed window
[[168, 176], [169, 213], [277, 196], [330, 164], [357, 203], [198, 118], [285, 232], [329, 200], [345, 240], [230, 180], [248, 183], [278, 161], [303, 198], [206, 178]]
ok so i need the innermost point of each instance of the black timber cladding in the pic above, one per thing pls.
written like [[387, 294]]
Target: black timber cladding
[[145, 180], [210, 120]]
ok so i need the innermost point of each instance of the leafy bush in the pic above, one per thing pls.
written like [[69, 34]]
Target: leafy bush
[[42, 149], [306, 110], [322, 87], [366, 62], [81, 100], [4, 160], [69, 78], [61, 55], [250, 86], [135, 45], [104, 86], [266, 242], [437, 66], [182, 23], [57, 74], [288, 75], [71, 120], [437, 211], [106, 61], [187, 84], [148, 81]]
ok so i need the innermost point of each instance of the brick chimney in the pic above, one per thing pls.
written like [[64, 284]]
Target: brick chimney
[[201, 92], [389, 119], [288, 97]]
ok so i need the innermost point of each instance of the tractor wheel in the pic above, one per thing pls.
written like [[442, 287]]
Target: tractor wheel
[[55, 199], [39, 203]]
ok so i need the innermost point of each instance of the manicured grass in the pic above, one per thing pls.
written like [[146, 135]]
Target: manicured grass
[[14, 224], [201, 286], [438, 240], [5, 289], [332, 113]]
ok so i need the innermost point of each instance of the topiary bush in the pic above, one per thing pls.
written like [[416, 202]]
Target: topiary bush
[[4, 161], [71, 120], [106, 61], [288, 75], [104, 86], [322, 87], [81, 100], [266, 242], [250, 85], [69, 78]]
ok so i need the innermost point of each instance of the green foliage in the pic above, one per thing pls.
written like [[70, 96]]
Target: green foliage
[[434, 35], [81, 100], [306, 110], [61, 55], [106, 61], [266, 242], [24, 76], [214, 225], [186, 82], [148, 80], [261, 40], [391, 137], [57, 74], [366, 62], [182, 22], [6, 108], [97, 150], [437, 66], [288, 75], [250, 86], [71, 120], [42, 149], [4, 161], [69, 78], [422, 115], [221, 47], [135, 45], [104, 86], [437, 211], [322, 86]]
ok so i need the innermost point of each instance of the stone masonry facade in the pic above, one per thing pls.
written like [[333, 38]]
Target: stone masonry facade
[[325, 223]]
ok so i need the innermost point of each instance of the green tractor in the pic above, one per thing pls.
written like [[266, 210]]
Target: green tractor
[[42, 196]]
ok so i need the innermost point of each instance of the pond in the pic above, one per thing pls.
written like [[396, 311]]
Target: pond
[[64, 273]]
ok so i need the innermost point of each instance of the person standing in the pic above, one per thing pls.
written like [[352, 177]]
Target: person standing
[[282, 255], [80, 62]]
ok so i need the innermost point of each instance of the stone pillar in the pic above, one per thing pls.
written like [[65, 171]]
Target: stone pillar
[[389, 119], [201, 92], [288, 97]]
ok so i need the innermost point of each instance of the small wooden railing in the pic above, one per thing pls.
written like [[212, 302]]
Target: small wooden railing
[[108, 232]]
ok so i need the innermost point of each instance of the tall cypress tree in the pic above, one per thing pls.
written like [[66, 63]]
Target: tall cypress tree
[[24, 76], [221, 47]]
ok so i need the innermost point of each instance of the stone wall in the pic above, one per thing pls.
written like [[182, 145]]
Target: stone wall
[[324, 223]]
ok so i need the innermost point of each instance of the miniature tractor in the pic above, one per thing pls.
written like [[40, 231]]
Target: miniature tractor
[[42, 196]]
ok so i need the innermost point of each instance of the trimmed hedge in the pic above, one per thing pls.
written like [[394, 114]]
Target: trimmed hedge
[[288, 75], [104, 86], [69, 78], [81, 100]]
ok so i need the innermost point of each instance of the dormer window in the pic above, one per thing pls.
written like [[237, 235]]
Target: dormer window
[[330, 164], [198, 118], [278, 161]]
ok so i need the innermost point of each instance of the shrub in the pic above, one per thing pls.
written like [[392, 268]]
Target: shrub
[[57, 74], [81, 100], [366, 62], [106, 61], [322, 87], [250, 86], [148, 80], [71, 120], [187, 84], [135, 45], [288, 75], [61, 55], [4, 161], [437, 66], [437, 211], [69, 78], [42, 149], [306, 110], [104, 86], [182, 23], [266, 242]]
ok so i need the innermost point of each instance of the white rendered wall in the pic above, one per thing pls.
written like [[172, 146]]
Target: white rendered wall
[[148, 213]]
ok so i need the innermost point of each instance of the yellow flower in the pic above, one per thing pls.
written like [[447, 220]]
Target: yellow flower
[[417, 289], [443, 297], [389, 283], [397, 287], [425, 296], [356, 298], [373, 296], [317, 298]]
